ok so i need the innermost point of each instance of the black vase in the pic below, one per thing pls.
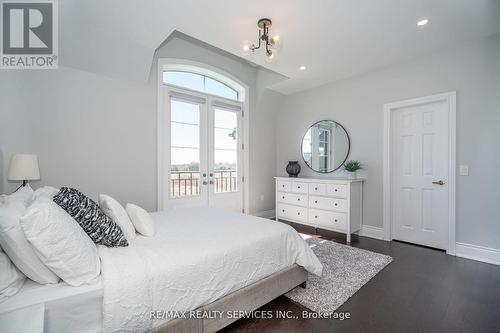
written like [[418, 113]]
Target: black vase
[[293, 168]]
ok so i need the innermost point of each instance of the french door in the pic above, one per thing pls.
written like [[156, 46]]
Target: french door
[[202, 155]]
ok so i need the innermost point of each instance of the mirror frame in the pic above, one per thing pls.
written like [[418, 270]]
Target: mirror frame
[[348, 148]]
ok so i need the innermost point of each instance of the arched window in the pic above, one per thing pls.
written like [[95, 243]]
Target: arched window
[[203, 81]]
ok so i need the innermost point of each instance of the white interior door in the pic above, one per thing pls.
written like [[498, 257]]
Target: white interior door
[[202, 155], [419, 174]]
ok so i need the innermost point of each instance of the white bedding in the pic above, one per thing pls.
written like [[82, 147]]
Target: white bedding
[[196, 257], [64, 308]]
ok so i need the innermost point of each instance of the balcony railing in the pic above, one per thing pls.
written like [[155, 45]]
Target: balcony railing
[[187, 183]]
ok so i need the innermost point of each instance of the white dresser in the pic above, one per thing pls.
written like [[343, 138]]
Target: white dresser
[[327, 203]]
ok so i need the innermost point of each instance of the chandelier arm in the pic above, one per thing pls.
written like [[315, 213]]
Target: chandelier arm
[[256, 47]]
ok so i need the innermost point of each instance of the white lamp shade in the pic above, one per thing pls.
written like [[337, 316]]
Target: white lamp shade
[[23, 167]]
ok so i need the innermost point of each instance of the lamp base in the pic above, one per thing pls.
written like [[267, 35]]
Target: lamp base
[[25, 182]]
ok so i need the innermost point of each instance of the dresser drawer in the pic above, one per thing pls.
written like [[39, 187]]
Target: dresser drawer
[[292, 198], [319, 189], [336, 190], [291, 212], [299, 187], [328, 203], [283, 185], [329, 220]]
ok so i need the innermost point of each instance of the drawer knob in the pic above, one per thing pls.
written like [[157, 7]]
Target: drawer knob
[[283, 210], [315, 188], [336, 220], [298, 199], [315, 216], [315, 201], [335, 190], [335, 204], [283, 197], [298, 186], [298, 213], [283, 185]]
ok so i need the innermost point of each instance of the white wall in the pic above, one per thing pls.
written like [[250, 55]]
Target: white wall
[[94, 133], [472, 70], [263, 152], [98, 133], [13, 121]]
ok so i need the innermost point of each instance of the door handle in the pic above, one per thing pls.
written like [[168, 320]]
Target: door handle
[[204, 183], [439, 182], [211, 182]]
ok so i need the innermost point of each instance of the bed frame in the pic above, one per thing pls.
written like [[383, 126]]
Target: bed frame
[[248, 298]]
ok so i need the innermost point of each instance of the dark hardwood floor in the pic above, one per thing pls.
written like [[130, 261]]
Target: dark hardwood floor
[[422, 290]]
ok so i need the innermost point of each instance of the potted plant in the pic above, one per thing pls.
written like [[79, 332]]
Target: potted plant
[[352, 167]]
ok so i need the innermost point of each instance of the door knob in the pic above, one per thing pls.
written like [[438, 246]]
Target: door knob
[[211, 182], [439, 182]]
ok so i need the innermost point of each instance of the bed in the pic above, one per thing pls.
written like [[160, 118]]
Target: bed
[[205, 259]]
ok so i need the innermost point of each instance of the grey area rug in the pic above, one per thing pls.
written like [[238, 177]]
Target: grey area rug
[[345, 270]]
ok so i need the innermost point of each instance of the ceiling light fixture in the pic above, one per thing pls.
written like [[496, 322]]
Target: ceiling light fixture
[[302, 68], [422, 22], [269, 43]]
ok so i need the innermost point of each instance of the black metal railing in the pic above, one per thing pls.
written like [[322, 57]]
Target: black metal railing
[[225, 181], [187, 183]]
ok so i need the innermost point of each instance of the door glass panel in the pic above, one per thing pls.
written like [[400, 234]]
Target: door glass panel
[[184, 149], [185, 135], [225, 151], [185, 113]]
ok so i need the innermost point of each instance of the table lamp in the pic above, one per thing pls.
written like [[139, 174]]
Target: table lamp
[[23, 167]]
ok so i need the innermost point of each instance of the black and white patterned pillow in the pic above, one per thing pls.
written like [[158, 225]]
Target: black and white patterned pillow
[[100, 228]]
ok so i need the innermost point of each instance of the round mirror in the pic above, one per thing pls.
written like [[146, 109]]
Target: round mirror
[[325, 146]]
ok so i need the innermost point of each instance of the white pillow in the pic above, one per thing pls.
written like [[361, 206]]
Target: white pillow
[[141, 219], [113, 209], [11, 279], [45, 192], [15, 244], [61, 243], [24, 195]]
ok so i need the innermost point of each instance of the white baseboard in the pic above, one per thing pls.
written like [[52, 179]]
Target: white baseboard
[[479, 253], [266, 213], [372, 232]]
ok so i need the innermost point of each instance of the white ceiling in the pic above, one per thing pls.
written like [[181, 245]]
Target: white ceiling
[[335, 39]]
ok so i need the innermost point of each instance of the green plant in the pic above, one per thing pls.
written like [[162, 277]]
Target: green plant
[[352, 166]]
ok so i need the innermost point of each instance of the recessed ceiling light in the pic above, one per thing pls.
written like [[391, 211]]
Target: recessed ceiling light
[[422, 22], [302, 68]]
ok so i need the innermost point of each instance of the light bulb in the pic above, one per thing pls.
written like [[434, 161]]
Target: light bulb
[[276, 42], [422, 22], [272, 56], [246, 47]]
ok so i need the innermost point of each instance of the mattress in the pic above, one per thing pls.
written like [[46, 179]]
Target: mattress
[[66, 308]]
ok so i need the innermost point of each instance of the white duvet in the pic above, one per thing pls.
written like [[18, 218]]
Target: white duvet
[[196, 257]]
